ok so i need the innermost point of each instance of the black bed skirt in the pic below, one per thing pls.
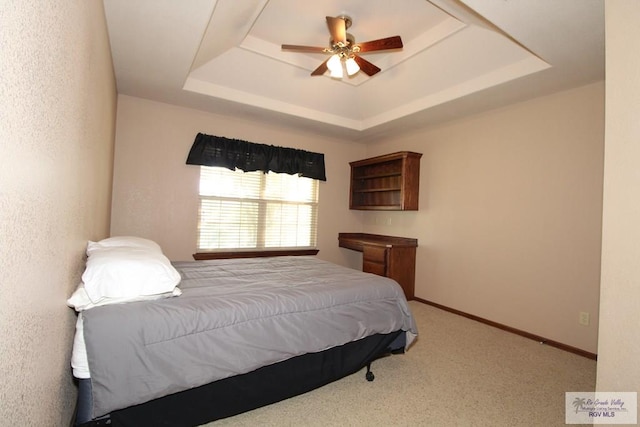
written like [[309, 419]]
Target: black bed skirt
[[241, 393]]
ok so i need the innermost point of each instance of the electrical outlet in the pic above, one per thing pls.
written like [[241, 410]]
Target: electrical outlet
[[584, 318]]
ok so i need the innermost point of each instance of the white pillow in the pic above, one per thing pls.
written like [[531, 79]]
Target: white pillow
[[80, 301], [126, 272], [123, 242]]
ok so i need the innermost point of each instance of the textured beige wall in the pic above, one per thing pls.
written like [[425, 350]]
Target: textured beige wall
[[510, 214], [155, 194], [57, 113], [619, 345]]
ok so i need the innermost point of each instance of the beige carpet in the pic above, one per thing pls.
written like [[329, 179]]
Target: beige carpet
[[458, 373]]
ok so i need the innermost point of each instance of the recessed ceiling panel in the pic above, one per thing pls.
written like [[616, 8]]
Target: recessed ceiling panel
[[440, 55]]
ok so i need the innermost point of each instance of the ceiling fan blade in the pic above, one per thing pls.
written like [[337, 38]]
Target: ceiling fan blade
[[394, 42], [337, 29], [303, 48], [321, 69], [367, 67]]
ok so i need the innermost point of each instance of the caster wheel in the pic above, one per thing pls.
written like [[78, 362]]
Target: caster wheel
[[369, 376]]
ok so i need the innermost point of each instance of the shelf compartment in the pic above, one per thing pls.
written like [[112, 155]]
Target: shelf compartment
[[376, 190]]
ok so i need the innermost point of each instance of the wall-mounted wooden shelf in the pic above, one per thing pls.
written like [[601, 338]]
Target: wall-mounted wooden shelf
[[388, 182]]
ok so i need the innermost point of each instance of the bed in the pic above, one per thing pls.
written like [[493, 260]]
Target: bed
[[226, 336]]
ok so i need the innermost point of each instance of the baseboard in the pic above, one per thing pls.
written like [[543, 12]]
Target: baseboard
[[525, 334]]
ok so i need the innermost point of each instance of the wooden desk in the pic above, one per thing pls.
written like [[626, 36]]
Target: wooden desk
[[393, 257]]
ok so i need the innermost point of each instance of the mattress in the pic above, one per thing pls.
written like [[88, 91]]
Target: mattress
[[233, 317]]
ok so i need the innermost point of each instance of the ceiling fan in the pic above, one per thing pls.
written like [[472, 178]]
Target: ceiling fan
[[345, 51]]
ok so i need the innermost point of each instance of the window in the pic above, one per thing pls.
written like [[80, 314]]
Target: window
[[256, 210]]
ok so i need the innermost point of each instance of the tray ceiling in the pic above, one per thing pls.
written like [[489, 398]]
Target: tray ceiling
[[459, 57]]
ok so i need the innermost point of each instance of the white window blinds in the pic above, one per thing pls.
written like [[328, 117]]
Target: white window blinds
[[254, 210]]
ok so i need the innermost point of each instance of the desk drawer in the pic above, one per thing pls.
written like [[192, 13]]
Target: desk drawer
[[374, 253], [374, 267]]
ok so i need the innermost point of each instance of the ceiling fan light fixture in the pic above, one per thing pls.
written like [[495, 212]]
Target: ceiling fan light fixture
[[345, 53], [352, 66], [336, 74], [334, 64]]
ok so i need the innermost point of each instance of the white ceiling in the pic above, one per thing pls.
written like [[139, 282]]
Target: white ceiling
[[459, 57]]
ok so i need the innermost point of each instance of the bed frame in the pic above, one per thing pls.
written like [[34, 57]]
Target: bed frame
[[241, 393]]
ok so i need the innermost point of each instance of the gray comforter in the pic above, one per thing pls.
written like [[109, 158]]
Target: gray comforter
[[233, 317]]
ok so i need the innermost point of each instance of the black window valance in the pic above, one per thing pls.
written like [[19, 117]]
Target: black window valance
[[208, 150]]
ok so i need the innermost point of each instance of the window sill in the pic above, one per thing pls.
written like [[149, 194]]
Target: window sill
[[201, 256]]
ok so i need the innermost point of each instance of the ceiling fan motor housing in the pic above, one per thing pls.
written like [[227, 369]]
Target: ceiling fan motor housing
[[347, 21]]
